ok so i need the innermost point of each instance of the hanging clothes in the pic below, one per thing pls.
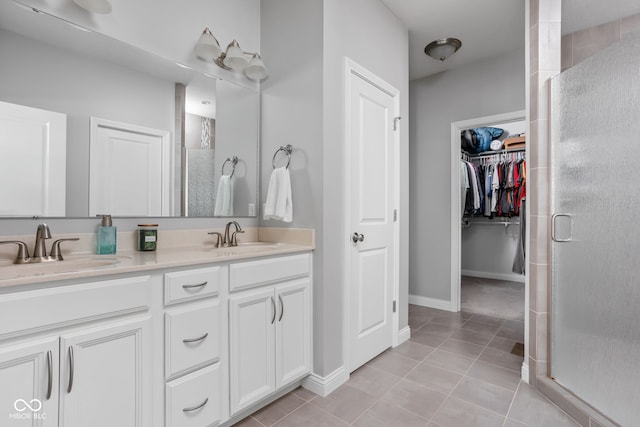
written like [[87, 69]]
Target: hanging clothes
[[492, 186]]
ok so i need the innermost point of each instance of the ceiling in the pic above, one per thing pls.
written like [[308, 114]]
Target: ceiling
[[487, 28]]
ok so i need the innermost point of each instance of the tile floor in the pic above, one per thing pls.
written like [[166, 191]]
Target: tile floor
[[456, 371]]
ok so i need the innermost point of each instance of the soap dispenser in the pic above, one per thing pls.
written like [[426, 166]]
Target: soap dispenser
[[106, 236]]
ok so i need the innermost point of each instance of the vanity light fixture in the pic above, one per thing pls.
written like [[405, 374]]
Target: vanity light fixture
[[442, 48], [233, 58]]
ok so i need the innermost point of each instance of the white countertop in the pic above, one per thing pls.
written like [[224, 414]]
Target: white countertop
[[81, 265]]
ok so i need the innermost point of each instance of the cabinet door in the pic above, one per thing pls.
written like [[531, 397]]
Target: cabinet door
[[105, 375], [293, 331], [252, 346], [29, 384]]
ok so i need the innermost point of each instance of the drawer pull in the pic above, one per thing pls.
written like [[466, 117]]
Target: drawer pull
[[281, 308], [190, 340], [199, 285], [195, 408], [50, 375], [71, 369]]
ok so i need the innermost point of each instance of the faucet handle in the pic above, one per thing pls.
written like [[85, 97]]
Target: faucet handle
[[23, 251], [218, 242], [55, 247]]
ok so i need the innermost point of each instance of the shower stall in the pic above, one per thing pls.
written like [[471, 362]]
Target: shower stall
[[595, 249]]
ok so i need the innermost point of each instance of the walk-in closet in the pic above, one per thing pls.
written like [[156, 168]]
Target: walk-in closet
[[492, 206]]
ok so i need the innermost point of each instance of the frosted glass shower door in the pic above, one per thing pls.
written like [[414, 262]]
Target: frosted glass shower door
[[595, 180]]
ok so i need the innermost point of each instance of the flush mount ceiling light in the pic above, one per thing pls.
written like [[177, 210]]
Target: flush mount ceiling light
[[95, 6], [233, 58], [443, 48]]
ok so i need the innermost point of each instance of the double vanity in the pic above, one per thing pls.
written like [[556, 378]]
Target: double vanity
[[188, 335]]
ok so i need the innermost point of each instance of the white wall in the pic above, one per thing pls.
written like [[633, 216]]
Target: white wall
[[488, 87], [303, 106], [368, 33]]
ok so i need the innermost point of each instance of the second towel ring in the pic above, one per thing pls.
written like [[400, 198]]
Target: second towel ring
[[287, 149], [234, 162]]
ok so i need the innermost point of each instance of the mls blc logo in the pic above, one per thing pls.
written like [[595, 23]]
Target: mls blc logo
[[27, 410]]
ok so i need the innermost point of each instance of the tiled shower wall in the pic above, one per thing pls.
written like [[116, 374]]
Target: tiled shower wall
[[544, 60], [549, 54], [578, 46]]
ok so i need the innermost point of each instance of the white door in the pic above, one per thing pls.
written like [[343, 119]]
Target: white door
[[104, 381], [252, 317], [372, 108], [33, 147], [29, 384], [129, 171], [293, 331]]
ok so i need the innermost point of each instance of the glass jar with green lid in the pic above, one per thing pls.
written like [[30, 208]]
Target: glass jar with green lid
[[147, 237]]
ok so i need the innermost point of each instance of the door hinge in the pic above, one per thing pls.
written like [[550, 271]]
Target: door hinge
[[395, 122], [394, 306], [395, 215]]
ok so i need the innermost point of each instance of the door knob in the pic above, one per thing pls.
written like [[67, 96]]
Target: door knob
[[357, 237]]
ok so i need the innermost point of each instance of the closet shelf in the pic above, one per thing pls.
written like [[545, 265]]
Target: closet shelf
[[491, 153]]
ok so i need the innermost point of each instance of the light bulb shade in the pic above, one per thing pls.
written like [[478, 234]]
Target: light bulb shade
[[443, 48], [208, 47], [256, 69], [235, 58]]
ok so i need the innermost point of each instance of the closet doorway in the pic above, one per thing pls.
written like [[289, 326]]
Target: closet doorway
[[485, 236]]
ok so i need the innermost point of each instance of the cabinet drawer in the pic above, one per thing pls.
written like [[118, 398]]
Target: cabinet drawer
[[192, 337], [194, 400], [44, 309], [261, 272], [193, 284]]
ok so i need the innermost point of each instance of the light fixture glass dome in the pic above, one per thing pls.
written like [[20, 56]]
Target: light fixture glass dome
[[208, 47], [235, 58], [443, 48], [256, 69]]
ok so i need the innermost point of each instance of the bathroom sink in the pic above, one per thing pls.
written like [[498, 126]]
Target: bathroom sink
[[71, 265], [249, 247]]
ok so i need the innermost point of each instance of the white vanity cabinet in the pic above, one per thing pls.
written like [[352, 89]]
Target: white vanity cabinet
[[269, 326], [29, 379], [195, 347], [84, 362], [104, 378]]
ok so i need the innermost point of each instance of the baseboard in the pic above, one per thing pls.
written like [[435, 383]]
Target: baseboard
[[512, 277], [323, 386], [403, 335], [440, 304], [524, 372]]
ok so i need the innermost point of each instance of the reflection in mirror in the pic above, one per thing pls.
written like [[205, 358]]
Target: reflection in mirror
[[83, 76]]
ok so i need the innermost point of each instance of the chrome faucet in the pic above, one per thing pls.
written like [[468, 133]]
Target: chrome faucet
[[231, 240], [40, 249]]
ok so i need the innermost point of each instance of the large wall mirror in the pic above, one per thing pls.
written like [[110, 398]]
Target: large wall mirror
[[90, 125]]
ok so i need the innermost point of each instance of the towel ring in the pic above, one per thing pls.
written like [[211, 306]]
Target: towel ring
[[234, 162], [287, 149]]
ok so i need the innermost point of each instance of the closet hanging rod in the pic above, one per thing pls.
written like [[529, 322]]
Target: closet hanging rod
[[492, 153], [467, 223]]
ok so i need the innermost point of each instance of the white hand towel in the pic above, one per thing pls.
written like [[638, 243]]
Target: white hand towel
[[279, 205], [224, 197]]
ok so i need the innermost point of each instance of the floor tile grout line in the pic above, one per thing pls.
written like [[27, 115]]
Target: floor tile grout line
[[511, 405]]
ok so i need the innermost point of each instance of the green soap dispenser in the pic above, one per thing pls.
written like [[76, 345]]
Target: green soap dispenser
[[106, 236]]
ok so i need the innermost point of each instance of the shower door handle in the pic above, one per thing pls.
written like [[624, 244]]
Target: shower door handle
[[554, 228]]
